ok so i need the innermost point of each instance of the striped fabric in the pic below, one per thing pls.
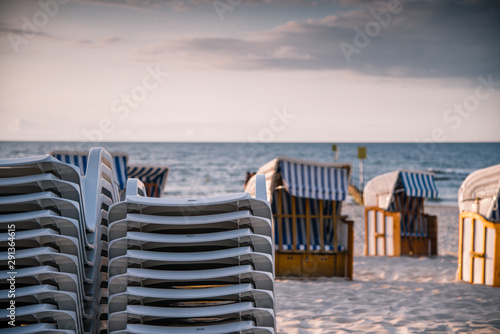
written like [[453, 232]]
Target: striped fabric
[[286, 225], [120, 160], [403, 191], [79, 159], [380, 190], [153, 177], [317, 182], [413, 221], [480, 193], [495, 212], [419, 184]]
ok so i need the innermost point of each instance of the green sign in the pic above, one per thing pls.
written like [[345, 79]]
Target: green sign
[[362, 152], [334, 148]]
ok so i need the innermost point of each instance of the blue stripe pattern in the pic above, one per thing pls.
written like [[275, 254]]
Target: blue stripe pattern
[[80, 160], [412, 222], [495, 213], [317, 182], [121, 170], [148, 175], [286, 234], [419, 185]]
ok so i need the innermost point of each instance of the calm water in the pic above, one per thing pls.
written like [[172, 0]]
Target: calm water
[[204, 169]]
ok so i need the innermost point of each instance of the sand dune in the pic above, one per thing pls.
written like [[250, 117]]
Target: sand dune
[[391, 295]]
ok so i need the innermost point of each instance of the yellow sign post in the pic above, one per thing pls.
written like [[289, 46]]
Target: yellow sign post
[[362, 152], [336, 152], [361, 157]]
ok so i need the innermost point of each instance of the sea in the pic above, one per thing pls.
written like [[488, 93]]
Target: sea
[[211, 169]]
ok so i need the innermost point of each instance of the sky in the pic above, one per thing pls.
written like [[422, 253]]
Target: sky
[[250, 70]]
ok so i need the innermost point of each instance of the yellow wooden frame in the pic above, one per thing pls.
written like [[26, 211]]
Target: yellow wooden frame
[[496, 261], [404, 245], [152, 189], [278, 218], [312, 263], [396, 226]]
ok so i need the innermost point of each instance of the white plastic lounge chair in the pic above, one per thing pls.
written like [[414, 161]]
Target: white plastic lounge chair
[[33, 257], [38, 165], [40, 201], [479, 227], [191, 207], [26, 221], [395, 222], [49, 274], [43, 237], [190, 263], [64, 319], [40, 328], [245, 311], [190, 260], [201, 224], [60, 219], [243, 327], [154, 177], [80, 160], [207, 241], [36, 294], [222, 276], [39, 183], [148, 296]]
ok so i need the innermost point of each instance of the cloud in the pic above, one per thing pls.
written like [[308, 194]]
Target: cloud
[[426, 39], [132, 4], [182, 5], [10, 29], [99, 42], [110, 40], [7, 30]]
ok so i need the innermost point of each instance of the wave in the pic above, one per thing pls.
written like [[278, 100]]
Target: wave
[[444, 178], [449, 172]]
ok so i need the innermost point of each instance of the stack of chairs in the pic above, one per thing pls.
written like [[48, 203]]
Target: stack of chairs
[[191, 265], [53, 221], [154, 177], [80, 158]]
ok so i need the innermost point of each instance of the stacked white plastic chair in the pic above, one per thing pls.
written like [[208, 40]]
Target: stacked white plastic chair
[[80, 158], [191, 265], [154, 177], [58, 247]]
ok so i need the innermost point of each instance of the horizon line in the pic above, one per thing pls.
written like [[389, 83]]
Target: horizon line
[[246, 142]]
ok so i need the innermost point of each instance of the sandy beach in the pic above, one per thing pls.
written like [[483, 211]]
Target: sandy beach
[[391, 295]]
